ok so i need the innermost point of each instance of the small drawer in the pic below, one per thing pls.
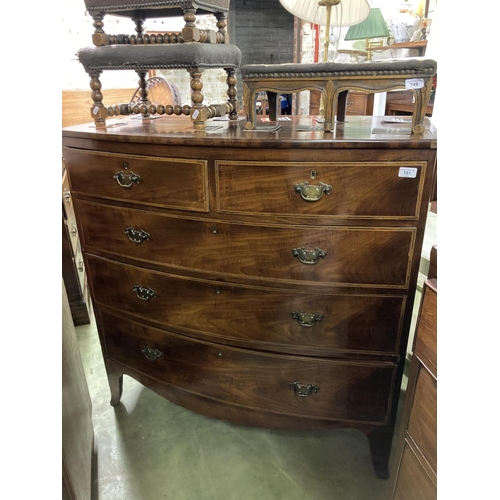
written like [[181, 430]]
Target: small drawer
[[291, 385], [359, 104], [368, 190], [296, 254], [144, 180], [307, 323]]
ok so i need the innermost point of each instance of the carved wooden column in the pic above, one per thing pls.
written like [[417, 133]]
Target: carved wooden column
[[99, 37], [98, 111], [199, 113], [144, 102], [221, 26], [232, 92]]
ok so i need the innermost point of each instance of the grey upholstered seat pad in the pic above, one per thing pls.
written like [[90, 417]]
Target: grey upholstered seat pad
[[155, 8], [403, 66], [172, 56]]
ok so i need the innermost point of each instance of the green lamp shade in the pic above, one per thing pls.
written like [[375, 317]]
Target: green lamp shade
[[372, 27]]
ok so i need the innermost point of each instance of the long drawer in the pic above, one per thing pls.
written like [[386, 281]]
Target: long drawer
[[326, 255], [144, 180], [293, 385], [307, 323], [385, 190]]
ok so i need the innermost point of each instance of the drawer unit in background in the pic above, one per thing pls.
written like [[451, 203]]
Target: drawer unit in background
[[73, 267], [357, 104], [415, 461], [264, 279]]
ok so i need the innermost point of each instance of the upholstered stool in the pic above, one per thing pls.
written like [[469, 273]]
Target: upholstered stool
[[194, 57], [140, 10], [192, 49], [334, 80]]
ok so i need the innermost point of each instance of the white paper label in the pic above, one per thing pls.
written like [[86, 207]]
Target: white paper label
[[95, 110], [196, 112], [414, 83], [408, 172]]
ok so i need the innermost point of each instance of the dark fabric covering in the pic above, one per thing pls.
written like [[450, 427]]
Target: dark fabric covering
[[411, 65], [183, 55], [155, 8]]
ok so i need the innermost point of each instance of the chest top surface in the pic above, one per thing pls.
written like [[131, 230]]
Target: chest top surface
[[298, 132]]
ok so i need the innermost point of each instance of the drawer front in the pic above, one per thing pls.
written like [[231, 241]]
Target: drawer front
[[422, 425], [153, 181], [326, 255], [358, 104], [413, 482], [384, 190], [317, 324], [345, 391], [426, 337]]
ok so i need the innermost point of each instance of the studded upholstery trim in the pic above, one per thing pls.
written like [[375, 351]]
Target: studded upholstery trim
[[395, 67], [144, 57], [128, 5]]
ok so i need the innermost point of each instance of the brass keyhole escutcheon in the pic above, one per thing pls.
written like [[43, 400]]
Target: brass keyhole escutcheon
[[313, 174]]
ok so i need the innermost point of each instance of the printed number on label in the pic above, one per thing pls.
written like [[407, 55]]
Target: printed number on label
[[414, 83], [408, 172]]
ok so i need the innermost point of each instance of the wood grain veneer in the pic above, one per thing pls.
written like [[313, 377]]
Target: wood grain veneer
[[243, 299]]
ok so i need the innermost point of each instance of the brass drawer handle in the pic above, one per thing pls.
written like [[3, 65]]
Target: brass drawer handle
[[126, 179], [151, 354], [303, 390], [80, 266], [307, 319], [74, 230], [312, 192], [144, 293], [137, 235], [308, 256]]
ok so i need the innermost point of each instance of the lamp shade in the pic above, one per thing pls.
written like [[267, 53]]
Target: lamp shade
[[372, 27], [346, 13]]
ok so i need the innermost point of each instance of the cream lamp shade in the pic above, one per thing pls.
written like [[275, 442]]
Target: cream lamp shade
[[344, 13]]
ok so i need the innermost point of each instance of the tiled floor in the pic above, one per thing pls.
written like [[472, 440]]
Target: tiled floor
[[150, 449]]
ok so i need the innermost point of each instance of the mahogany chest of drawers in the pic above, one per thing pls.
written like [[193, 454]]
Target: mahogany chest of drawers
[[264, 278]]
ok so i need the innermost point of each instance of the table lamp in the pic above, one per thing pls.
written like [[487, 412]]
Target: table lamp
[[328, 13], [373, 26]]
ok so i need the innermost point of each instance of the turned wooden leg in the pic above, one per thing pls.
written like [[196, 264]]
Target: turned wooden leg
[[98, 111], [144, 102], [232, 93], [199, 113], [221, 26], [115, 381], [380, 447]]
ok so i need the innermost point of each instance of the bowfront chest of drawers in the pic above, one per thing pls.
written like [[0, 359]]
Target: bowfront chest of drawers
[[264, 278]]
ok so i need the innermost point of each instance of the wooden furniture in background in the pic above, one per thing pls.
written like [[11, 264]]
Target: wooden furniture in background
[[400, 102], [261, 278], [420, 46], [73, 268], [76, 104], [415, 476], [357, 103], [77, 427]]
